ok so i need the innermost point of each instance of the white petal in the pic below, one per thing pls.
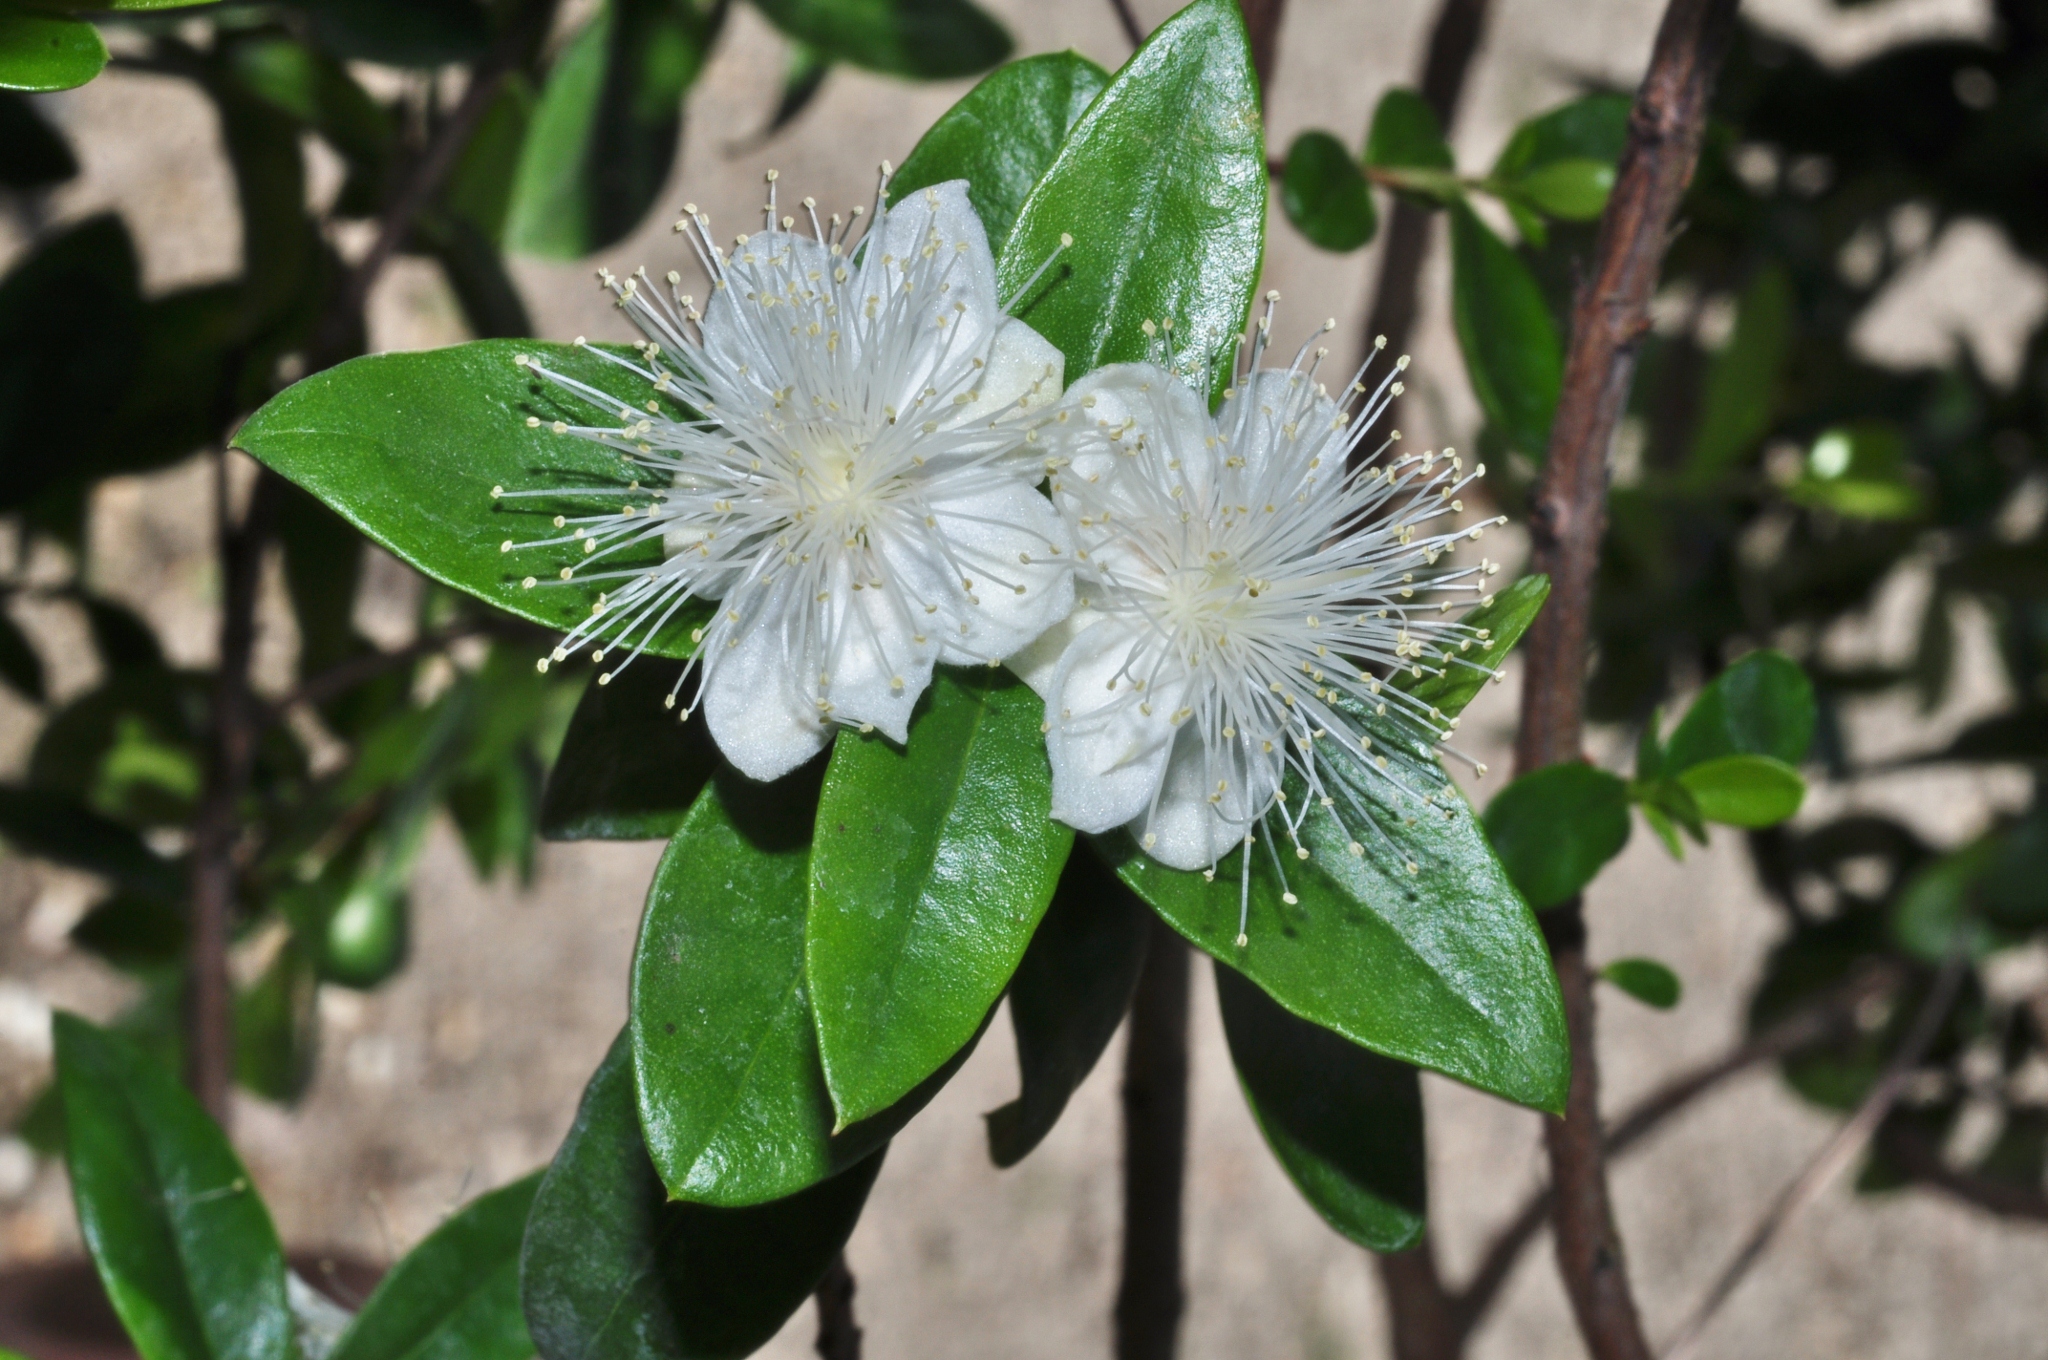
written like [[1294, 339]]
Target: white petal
[[1185, 829], [1107, 755], [1275, 461], [1023, 374], [736, 336], [1036, 664], [878, 668], [945, 209], [992, 532], [759, 717]]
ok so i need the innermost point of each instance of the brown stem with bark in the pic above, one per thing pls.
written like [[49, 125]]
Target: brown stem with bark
[[1155, 1099], [838, 1333], [1420, 1311], [1262, 25], [1567, 518]]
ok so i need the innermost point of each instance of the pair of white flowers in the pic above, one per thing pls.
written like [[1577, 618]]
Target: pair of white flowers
[[1205, 603]]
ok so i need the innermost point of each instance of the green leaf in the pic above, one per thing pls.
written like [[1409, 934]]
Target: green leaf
[[33, 155], [1555, 828], [1647, 980], [1762, 705], [605, 134], [455, 1296], [1512, 354], [1448, 685], [41, 52], [401, 32], [57, 827], [20, 666], [628, 770], [1325, 193], [133, 932], [1068, 997], [925, 39], [318, 90], [1003, 135], [407, 447], [480, 186], [1741, 394], [930, 867], [1859, 470], [1748, 791], [1179, 131], [1436, 961], [323, 561], [1575, 190], [1345, 1123], [732, 1095], [183, 1245], [615, 1271], [1593, 128], [276, 1027], [1405, 134]]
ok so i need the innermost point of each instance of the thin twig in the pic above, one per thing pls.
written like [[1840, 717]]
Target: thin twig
[[1150, 1296], [1832, 1160], [838, 1332], [1132, 29], [344, 676]]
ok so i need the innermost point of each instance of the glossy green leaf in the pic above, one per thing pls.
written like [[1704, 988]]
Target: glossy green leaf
[[1179, 131], [1405, 134], [41, 52], [1748, 791], [1325, 193], [1593, 128], [1446, 683], [605, 133], [1575, 190], [930, 867], [613, 1270], [183, 1245], [455, 1296], [1513, 357], [1741, 394], [629, 769], [1344, 1122], [50, 824], [1417, 946], [1762, 706], [1647, 980], [1555, 828], [926, 39], [33, 154], [1068, 997], [407, 447], [401, 32], [1003, 135], [732, 1095], [1860, 471]]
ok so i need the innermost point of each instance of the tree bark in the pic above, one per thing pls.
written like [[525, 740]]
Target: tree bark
[[838, 1332], [1155, 1100]]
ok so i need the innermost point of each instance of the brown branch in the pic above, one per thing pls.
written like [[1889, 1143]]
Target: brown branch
[[1830, 1017], [838, 1333], [1914, 1154], [344, 676], [1155, 1099], [1262, 26], [1420, 1314], [1567, 518], [1132, 28], [1833, 1158]]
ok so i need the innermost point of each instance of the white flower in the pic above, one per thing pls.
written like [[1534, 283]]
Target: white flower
[[851, 474], [1246, 587]]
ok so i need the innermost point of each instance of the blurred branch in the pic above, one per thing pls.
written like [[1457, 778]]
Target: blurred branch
[[1155, 1098], [1567, 519], [1832, 1159], [344, 676], [1262, 26], [1420, 1311], [1913, 1153], [1132, 28], [838, 1333]]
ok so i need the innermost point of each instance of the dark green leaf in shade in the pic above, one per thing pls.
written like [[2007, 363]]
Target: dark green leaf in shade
[[924, 39], [478, 276], [53, 825], [407, 447], [1003, 135], [1593, 128], [930, 867], [732, 1096], [124, 642], [497, 811], [132, 931], [1179, 131], [1325, 193], [1512, 354], [1741, 394], [33, 155], [1405, 134], [20, 666], [323, 560], [1746, 791], [629, 769], [401, 32], [315, 88], [1069, 995], [1647, 980], [479, 189], [183, 1245], [1447, 684], [1555, 828], [40, 52], [277, 1027], [613, 1270], [1344, 1122], [605, 133], [455, 1296], [281, 248], [1937, 911], [1436, 961], [1762, 706]]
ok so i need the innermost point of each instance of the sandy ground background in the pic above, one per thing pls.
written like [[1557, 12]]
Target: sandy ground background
[[463, 1072]]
